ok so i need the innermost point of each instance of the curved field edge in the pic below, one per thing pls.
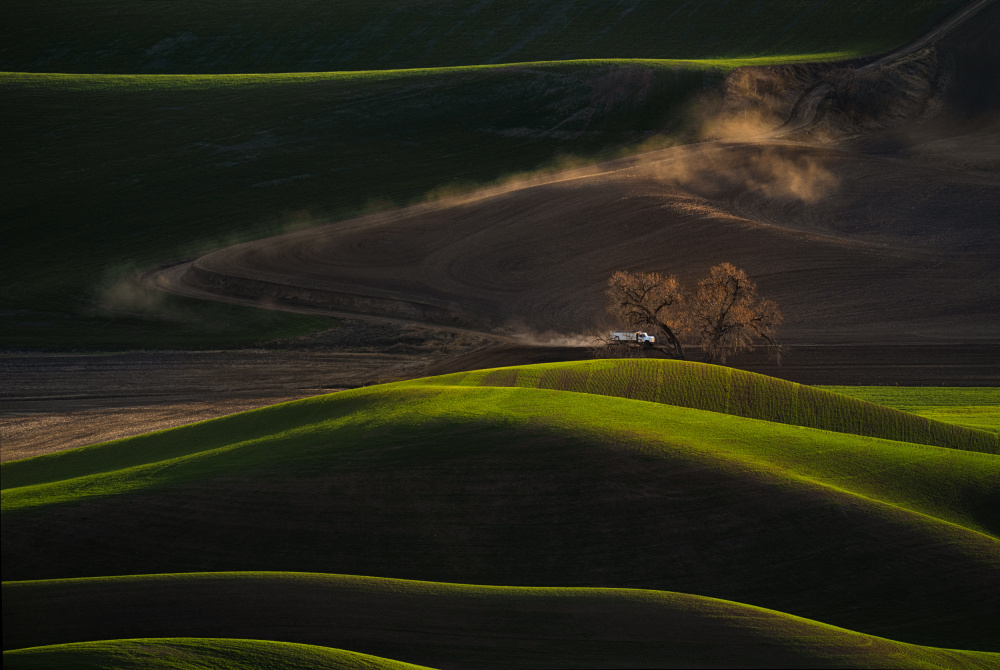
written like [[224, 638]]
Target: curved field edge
[[185, 36], [451, 624], [730, 391], [194, 653], [955, 486], [146, 82]]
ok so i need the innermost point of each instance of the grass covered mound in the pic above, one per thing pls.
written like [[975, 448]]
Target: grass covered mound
[[721, 389], [525, 486], [446, 625], [121, 173], [186, 36], [193, 654], [969, 406]]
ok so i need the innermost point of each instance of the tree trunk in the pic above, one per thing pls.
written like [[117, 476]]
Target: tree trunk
[[674, 342]]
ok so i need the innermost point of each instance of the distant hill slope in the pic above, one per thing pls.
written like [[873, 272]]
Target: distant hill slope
[[438, 625], [187, 36], [126, 172], [721, 389], [527, 486], [218, 654]]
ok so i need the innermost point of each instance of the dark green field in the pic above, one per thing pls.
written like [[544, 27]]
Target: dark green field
[[184, 653], [310, 36], [600, 513], [443, 625], [558, 489]]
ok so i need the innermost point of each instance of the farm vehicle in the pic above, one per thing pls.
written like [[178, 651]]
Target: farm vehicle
[[631, 337]]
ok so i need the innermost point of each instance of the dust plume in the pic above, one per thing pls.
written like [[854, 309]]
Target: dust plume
[[714, 168], [562, 168], [551, 338], [123, 291], [737, 125]]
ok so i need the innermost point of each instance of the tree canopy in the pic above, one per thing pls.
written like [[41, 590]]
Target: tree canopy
[[725, 314]]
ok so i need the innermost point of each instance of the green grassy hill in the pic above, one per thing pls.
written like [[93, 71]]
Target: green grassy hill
[[440, 625], [720, 389], [194, 654], [525, 486], [111, 174], [185, 36], [973, 407]]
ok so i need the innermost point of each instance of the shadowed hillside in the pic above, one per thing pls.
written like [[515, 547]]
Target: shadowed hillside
[[448, 625], [307, 35], [128, 172], [889, 537], [172, 653]]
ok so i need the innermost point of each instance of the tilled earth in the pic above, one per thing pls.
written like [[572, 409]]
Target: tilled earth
[[878, 238], [52, 402]]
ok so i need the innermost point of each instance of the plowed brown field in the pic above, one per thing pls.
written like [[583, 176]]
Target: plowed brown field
[[856, 247], [869, 231]]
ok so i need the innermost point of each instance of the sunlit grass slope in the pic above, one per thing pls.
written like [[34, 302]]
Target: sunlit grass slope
[[446, 625], [973, 407], [187, 36], [106, 174], [526, 486], [721, 389], [194, 654]]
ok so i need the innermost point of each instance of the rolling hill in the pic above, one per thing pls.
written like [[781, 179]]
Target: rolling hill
[[195, 653], [556, 489], [330, 159], [112, 36], [438, 625], [103, 164], [726, 390]]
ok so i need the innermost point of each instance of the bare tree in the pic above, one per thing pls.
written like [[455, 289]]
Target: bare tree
[[648, 301], [728, 315]]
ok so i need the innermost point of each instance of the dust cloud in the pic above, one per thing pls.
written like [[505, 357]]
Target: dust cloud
[[122, 291], [771, 170], [563, 168], [553, 339], [737, 150]]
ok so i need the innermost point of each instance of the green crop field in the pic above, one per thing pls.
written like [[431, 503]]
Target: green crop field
[[441, 625], [966, 406], [195, 654], [611, 513], [722, 389], [654, 496]]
